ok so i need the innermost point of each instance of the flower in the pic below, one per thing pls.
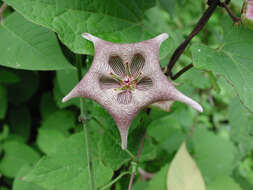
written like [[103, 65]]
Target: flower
[[125, 78], [247, 13]]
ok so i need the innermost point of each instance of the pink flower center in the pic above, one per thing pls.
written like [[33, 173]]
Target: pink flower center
[[127, 81]]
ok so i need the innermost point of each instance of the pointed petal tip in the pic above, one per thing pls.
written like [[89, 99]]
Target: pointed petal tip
[[123, 134], [87, 36], [123, 146], [195, 105], [163, 36], [178, 96], [72, 94], [160, 38], [65, 99], [90, 37], [199, 108]]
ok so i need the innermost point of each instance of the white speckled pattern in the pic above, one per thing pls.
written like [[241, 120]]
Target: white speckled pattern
[[123, 114]]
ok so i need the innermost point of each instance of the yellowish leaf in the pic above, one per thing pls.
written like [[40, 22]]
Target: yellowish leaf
[[183, 173]]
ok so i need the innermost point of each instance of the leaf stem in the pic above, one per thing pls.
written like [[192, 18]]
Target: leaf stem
[[83, 119], [188, 67], [230, 12], [115, 180], [137, 159]]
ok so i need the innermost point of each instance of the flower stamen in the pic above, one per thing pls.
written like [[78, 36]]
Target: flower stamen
[[115, 77], [128, 70]]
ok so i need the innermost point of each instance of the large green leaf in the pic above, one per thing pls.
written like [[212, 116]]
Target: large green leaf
[[183, 173], [241, 127], [25, 45], [67, 168], [214, 155], [112, 20], [232, 60], [16, 155], [167, 132], [20, 184], [49, 139], [20, 122], [28, 85], [159, 180], [224, 182], [62, 121]]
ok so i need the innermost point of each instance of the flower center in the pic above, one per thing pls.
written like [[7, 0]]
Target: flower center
[[127, 81]]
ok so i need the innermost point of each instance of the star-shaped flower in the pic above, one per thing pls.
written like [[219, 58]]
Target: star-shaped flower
[[125, 78]]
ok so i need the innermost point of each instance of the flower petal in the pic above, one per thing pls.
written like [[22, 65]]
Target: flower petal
[[163, 105], [137, 64], [117, 65], [144, 84], [124, 97], [178, 96]]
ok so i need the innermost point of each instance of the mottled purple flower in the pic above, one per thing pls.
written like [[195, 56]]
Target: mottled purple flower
[[125, 78]]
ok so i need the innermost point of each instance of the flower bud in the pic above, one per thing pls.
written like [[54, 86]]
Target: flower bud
[[247, 14]]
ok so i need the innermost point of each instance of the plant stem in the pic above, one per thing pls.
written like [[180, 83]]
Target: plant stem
[[213, 4], [115, 180], [137, 158], [83, 117], [188, 67], [231, 14]]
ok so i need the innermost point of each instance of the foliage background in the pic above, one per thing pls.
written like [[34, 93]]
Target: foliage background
[[41, 140]]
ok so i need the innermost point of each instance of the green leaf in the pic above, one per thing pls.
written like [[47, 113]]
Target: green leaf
[[196, 79], [4, 134], [47, 105], [241, 127], [67, 168], [183, 173], [62, 121], [116, 21], [159, 180], [4, 188], [25, 89], [20, 122], [67, 80], [25, 45], [232, 60], [20, 184], [214, 155], [49, 139], [3, 102], [169, 6], [167, 132], [245, 170], [140, 185], [111, 152], [224, 182], [16, 155], [8, 77], [58, 95]]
